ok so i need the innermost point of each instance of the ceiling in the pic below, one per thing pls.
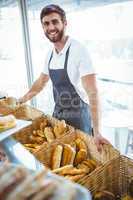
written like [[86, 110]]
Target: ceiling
[[34, 4]]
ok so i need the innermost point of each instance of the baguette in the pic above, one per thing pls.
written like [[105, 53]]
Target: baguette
[[80, 144], [68, 155], [80, 156], [59, 128], [75, 178], [72, 171], [49, 134], [56, 157], [59, 170]]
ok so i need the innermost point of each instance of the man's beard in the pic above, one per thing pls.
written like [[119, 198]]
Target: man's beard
[[55, 38]]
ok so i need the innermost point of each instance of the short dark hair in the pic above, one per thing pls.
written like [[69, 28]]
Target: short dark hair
[[53, 8]]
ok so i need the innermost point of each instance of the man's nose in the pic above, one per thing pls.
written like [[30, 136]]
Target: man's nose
[[51, 26]]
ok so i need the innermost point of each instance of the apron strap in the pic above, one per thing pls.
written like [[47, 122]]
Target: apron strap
[[66, 60], [50, 59]]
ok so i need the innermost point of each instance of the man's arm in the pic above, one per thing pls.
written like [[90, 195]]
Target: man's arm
[[37, 86], [90, 86]]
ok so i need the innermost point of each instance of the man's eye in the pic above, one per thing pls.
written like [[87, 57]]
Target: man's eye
[[45, 24], [55, 22]]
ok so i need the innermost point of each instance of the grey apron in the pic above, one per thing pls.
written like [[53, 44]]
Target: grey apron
[[68, 104]]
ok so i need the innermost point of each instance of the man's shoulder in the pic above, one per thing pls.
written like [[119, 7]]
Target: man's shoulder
[[77, 43], [78, 46]]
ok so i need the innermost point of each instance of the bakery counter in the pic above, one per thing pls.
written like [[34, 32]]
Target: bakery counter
[[17, 155]]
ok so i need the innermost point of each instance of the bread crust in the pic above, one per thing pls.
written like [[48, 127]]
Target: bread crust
[[56, 157], [68, 155], [80, 156]]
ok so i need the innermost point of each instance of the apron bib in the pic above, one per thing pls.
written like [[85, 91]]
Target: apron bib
[[68, 104]]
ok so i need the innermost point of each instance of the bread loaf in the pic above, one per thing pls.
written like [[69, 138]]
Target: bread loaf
[[68, 155], [56, 157]]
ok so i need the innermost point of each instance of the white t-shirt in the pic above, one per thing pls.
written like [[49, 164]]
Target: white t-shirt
[[79, 64]]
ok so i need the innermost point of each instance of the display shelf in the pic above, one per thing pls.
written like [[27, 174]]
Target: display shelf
[[19, 125]]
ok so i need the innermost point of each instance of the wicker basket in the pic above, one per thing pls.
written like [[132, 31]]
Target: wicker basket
[[23, 136], [108, 152], [114, 176]]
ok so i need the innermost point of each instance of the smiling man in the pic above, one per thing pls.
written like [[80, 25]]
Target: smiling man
[[69, 67]]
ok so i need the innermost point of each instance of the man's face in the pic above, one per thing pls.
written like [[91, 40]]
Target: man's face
[[53, 27]]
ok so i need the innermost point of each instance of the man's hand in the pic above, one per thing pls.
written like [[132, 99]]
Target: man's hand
[[20, 100], [99, 141]]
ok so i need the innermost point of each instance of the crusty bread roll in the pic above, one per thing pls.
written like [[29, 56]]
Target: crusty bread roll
[[72, 171], [59, 170], [80, 144], [68, 155], [7, 122], [56, 157], [49, 134], [80, 156], [75, 178], [60, 128]]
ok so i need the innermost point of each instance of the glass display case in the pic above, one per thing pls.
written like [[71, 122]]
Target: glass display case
[[17, 154]]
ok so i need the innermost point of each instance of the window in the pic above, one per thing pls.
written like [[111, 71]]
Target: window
[[107, 32], [13, 76]]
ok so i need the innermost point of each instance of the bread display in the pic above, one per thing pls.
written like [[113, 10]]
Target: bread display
[[18, 183], [7, 122], [43, 134], [75, 162]]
